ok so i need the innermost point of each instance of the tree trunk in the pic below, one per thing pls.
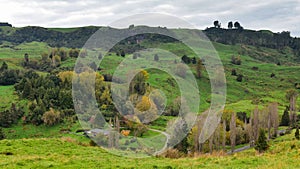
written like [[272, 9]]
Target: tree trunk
[[233, 132], [224, 135]]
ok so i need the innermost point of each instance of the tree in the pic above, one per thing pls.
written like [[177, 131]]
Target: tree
[[122, 53], [51, 117], [297, 135], [199, 68], [233, 72], [93, 66], [27, 90], [273, 118], [131, 26], [285, 119], [233, 131], [239, 78], [56, 60], [217, 24], [255, 123], [261, 144], [158, 99], [156, 57], [224, 135], [138, 84], [292, 95], [175, 107], [144, 104], [26, 57], [4, 66], [194, 60], [83, 53], [146, 110], [230, 25], [2, 135], [237, 25], [185, 59], [74, 53]]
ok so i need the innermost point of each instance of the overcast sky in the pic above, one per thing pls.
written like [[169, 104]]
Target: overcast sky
[[276, 15]]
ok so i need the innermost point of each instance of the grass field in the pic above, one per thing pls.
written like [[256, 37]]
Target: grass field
[[68, 152]]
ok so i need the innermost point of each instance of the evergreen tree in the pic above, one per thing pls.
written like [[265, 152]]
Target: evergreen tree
[[285, 119], [230, 25], [261, 144]]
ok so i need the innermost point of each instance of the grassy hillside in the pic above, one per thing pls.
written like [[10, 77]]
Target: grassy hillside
[[257, 85], [68, 152]]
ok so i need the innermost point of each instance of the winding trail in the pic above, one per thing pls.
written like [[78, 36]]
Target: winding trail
[[166, 143]]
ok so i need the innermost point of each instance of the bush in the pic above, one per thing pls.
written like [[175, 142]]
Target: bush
[[51, 117], [9, 77], [233, 72], [239, 78], [236, 60], [172, 153]]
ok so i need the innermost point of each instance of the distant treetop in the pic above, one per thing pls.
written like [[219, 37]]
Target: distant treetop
[[5, 24]]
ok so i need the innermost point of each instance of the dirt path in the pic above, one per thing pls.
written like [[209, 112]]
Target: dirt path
[[166, 143]]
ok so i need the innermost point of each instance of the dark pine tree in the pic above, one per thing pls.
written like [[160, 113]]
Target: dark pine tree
[[285, 119], [261, 144]]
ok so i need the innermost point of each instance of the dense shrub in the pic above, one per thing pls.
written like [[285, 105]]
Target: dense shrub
[[11, 116], [51, 117]]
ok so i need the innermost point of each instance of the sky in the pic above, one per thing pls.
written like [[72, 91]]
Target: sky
[[275, 15]]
